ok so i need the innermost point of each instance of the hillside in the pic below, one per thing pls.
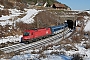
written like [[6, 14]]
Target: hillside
[[17, 16], [21, 4], [12, 11], [17, 7], [13, 4]]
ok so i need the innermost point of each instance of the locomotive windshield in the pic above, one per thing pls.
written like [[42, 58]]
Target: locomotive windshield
[[26, 34]]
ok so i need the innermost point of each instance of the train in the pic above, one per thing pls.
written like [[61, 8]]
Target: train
[[33, 34]]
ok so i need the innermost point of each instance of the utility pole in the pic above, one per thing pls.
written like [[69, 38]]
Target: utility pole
[[57, 22], [64, 20]]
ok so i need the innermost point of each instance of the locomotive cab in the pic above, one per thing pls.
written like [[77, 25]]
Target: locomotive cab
[[27, 36]]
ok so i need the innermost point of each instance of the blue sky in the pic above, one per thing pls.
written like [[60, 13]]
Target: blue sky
[[77, 4]]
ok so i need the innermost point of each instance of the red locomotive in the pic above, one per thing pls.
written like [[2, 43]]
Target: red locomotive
[[30, 35]]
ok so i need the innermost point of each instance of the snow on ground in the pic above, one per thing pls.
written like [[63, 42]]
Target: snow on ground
[[1, 7], [53, 58], [34, 57], [15, 12], [88, 12], [30, 15], [28, 18], [82, 51], [10, 39], [5, 19], [86, 29]]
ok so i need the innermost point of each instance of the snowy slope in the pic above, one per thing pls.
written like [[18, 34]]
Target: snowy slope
[[87, 27], [28, 18]]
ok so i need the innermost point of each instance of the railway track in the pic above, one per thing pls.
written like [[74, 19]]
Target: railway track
[[23, 47]]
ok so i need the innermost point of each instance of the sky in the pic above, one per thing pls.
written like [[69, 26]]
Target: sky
[[77, 4]]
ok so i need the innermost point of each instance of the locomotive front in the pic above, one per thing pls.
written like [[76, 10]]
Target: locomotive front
[[27, 36]]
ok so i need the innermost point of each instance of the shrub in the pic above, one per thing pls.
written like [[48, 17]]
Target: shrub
[[54, 52], [42, 55], [77, 57], [4, 12], [33, 52], [87, 46], [23, 26], [57, 53], [76, 39]]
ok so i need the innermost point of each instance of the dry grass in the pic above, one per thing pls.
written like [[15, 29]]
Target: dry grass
[[47, 47], [3, 45], [65, 41], [46, 19], [37, 52], [42, 56], [34, 52], [8, 30], [76, 39], [87, 46], [4, 12], [21, 15], [7, 44], [1, 54], [57, 53], [9, 4]]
